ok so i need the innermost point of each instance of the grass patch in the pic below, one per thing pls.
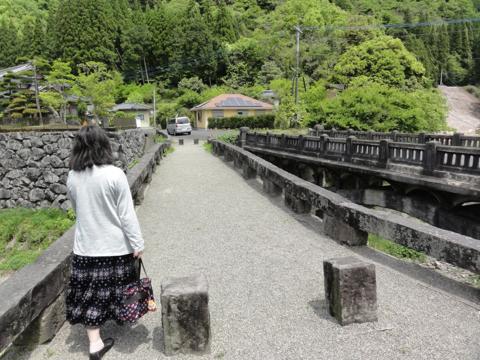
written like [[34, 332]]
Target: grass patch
[[229, 136], [25, 233], [169, 150], [393, 249], [159, 139], [133, 163], [208, 147]]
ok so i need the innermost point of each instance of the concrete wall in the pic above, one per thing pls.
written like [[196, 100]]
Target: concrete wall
[[35, 165]]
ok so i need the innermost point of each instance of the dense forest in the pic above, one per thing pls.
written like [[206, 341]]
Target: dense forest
[[192, 50]]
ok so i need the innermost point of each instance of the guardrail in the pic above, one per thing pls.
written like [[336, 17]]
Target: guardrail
[[28, 294], [350, 223], [432, 157], [457, 139]]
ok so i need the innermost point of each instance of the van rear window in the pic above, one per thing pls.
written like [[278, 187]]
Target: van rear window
[[183, 121]]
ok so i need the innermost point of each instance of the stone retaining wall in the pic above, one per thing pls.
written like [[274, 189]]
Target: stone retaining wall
[[31, 299], [34, 165]]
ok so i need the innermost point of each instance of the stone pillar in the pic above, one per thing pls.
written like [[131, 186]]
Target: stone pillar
[[323, 144], [248, 172], [271, 188], [45, 326], [342, 232], [301, 143], [237, 162], [349, 148], [430, 157], [422, 138], [297, 205], [384, 153], [180, 142], [394, 135], [318, 129], [195, 141], [185, 315], [457, 139], [350, 290], [228, 155], [243, 136]]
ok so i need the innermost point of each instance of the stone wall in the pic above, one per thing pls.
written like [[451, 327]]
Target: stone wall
[[34, 166]]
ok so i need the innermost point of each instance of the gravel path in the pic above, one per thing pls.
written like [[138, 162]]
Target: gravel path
[[264, 268], [463, 109]]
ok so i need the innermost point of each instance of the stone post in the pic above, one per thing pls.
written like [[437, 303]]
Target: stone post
[[195, 141], [283, 141], [228, 155], [318, 128], [349, 148], [185, 315], [384, 153], [370, 134], [430, 157], [394, 136], [301, 143], [342, 232], [267, 139], [248, 172], [457, 139], [298, 205], [333, 132], [422, 138], [271, 188], [323, 144], [180, 142], [350, 290], [243, 136]]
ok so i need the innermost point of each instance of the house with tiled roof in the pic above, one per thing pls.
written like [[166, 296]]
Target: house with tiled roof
[[228, 105], [141, 114]]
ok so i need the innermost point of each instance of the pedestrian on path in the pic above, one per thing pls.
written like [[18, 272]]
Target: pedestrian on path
[[107, 237]]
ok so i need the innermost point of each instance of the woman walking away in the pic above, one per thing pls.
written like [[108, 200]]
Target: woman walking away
[[107, 237]]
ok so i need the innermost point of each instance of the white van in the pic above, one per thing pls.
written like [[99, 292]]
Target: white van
[[179, 125]]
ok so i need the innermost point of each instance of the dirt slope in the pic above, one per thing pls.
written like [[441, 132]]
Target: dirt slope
[[463, 109]]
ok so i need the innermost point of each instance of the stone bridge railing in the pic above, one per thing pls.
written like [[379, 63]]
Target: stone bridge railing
[[345, 221], [32, 304], [457, 139], [432, 157]]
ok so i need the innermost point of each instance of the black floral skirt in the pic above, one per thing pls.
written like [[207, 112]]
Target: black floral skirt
[[94, 292]]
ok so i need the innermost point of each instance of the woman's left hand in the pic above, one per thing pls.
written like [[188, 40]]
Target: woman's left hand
[[137, 254]]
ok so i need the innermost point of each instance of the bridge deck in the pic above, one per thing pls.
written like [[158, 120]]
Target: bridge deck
[[264, 267]]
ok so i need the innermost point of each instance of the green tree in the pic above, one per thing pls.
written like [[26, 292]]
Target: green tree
[[33, 38], [8, 44], [225, 27], [83, 31], [96, 82], [384, 60]]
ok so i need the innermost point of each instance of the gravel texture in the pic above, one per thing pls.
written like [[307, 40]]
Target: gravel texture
[[264, 268]]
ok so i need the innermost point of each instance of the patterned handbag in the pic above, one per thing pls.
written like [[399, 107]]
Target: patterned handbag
[[137, 299]]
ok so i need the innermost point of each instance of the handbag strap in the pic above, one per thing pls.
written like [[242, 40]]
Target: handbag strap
[[142, 267]]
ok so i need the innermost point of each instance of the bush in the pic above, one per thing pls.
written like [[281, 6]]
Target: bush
[[230, 137], [381, 108], [236, 122]]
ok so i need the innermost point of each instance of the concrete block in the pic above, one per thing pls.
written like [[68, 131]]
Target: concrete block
[[180, 141], [271, 188], [45, 326], [342, 232], [228, 155], [248, 172], [350, 290], [195, 141], [185, 315], [297, 205]]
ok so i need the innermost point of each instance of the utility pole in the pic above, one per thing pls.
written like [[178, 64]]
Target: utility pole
[[441, 76], [146, 70], [37, 100], [155, 106], [298, 31]]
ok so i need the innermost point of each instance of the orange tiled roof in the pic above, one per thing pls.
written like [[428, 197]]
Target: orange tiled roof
[[233, 101]]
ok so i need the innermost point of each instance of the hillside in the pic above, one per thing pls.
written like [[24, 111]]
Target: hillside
[[463, 109]]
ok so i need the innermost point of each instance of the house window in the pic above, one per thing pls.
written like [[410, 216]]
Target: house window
[[140, 117], [242, 113], [218, 114]]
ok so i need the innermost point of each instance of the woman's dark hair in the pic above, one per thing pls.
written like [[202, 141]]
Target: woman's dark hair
[[90, 147]]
